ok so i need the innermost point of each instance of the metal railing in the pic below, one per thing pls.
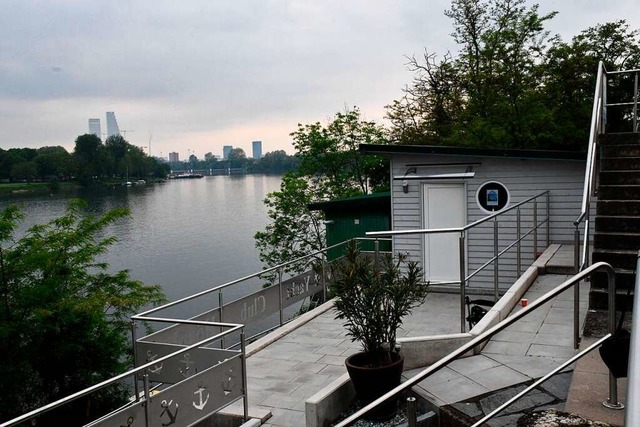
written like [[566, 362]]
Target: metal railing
[[632, 415], [463, 277], [598, 123], [144, 405], [613, 388]]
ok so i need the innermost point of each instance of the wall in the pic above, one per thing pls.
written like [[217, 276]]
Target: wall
[[522, 177]]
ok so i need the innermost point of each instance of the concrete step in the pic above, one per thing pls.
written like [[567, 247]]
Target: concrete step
[[616, 240], [620, 177], [599, 299], [619, 192], [625, 259], [620, 163], [620, 138], [610, 151], [618, 207], [612, 223]]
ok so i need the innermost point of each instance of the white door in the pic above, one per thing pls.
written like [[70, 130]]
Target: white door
[[444, 206]]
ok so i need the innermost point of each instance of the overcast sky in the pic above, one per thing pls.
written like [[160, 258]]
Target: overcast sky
[[191, 76]]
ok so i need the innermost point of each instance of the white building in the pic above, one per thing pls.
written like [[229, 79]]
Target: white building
[[94, 127], [112, 124], [257, 149], [226, 150]]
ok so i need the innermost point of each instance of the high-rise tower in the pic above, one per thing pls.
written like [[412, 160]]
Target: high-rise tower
[[257, 149], [226, 150], [112, 124], [94, 127]]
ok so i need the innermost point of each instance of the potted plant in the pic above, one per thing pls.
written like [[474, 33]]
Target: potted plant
[[372, 299]]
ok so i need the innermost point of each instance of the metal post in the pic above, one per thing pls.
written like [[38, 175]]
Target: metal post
[[547, 221], [576, 288], [518, 246], [324, 277], [220, 304], [496, 281], [147, 398], [244, 376], [635, 103], [463, 278], [280, 299], [412, 412], [612, 401], [133, 342], [535, 229], [376, 260]]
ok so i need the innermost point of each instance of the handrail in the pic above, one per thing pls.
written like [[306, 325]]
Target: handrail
[[542, 380], [463, 277], [632, 415], [455, 229], [497, 328]]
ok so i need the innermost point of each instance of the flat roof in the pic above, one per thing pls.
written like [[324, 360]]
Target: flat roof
[[387, 150], [382, 199]]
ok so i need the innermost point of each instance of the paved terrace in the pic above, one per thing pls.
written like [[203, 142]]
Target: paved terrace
[[286, 369]]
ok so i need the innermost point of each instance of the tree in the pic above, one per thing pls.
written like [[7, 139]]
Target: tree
[[237, 158], [330, 167], [63, 316], [117, 148], [89, 158]]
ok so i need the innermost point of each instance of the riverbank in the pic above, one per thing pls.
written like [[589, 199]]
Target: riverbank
[[36, 188]]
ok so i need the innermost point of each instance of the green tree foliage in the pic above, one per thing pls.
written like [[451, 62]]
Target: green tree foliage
[[63, 316], [512, 85], [330, 167], [275, 162], [237, 158]]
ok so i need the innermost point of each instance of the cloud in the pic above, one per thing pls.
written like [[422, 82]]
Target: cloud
[[212, 73]]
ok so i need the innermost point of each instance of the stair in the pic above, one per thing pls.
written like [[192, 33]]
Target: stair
[[617, 223]]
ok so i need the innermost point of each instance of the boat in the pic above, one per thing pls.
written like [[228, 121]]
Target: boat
[[188, 176]]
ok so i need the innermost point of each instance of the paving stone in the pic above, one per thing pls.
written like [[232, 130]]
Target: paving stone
[[508, 420], [473, 364], [456, 390], [558, 385], [529, 401], [551, 350], [498, 377], [470, 409]]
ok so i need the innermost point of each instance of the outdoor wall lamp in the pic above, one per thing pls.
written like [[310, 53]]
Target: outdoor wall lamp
[[405, 186]]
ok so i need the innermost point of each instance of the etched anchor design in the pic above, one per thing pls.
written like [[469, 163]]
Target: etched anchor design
[[187, 362], [200, 391], [129, 422], [172, 415], [229, 384], [150, 358]]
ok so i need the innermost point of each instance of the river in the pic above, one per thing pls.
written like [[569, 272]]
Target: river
[[185, 235]]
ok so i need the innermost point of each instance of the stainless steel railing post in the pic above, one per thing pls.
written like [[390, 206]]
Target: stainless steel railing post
[[518, 246], [612, 401], [135, 376], [280, 299], [576, 289], [147, 397], [412, 412], [220, 304], [548, 219], [243, 355], [376, 261], [635, 103], [463, 272], [535, 229], [496, 281]]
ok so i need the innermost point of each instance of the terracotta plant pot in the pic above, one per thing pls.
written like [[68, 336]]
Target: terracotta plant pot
[[371, 383]]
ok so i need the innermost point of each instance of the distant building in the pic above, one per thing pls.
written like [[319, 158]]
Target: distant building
[[94, 127], [226, 150], [112, 124], [174, 157], [257, 149]]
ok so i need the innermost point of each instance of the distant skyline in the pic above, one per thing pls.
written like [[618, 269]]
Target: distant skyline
[[195, 76]]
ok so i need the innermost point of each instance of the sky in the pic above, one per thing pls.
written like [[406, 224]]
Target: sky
[[191, 76]]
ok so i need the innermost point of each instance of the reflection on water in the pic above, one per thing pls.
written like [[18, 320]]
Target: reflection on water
[[185, 235]]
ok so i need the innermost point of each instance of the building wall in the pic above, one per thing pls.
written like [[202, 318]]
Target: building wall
[[522, 177], [94, 127], [257, 149]]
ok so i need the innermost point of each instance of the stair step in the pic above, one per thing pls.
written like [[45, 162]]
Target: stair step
[[618, 207], [620, 258], [619, 192], [620, 177], [613, 223], [620, 150], [620, 163], [625, 279], [599, 299], [616, 240], [619, 138]]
